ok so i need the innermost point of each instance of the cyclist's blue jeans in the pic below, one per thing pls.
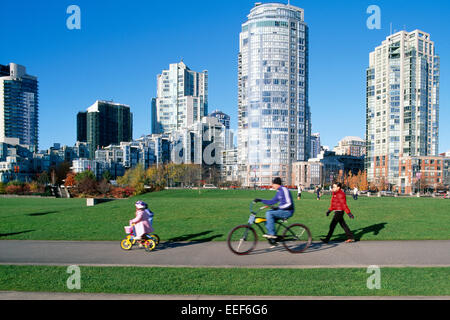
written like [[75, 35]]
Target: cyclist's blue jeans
[[276, 214]]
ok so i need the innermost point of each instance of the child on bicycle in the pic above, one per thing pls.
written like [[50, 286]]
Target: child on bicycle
[[141, 222], [150, 215]]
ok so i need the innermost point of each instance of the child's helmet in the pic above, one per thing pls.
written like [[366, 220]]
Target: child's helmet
[[140, 205]]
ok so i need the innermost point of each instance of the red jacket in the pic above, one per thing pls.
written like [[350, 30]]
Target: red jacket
[[339, 202]]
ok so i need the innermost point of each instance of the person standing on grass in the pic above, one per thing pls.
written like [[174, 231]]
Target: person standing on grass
[[299, 192], [284, 210], [339, 205], [355, 193], [318, 191]]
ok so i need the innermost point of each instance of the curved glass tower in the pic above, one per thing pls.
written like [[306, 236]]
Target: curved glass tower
[[274, 125]]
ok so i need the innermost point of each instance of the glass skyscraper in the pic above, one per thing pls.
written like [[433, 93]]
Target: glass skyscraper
[[403, 81], [182, 98], [105, 123], [274, 120], [19, 105]]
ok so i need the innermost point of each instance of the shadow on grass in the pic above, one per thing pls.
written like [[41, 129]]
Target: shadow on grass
[[361, 232], [37, 214], [14, 233]]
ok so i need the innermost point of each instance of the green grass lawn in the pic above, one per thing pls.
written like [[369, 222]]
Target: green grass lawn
[[245, 282], [187, 215]]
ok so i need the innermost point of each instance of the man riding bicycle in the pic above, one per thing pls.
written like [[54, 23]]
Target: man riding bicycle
[[284, 210]]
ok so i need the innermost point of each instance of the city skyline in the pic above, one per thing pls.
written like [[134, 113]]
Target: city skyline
[[88, 74]]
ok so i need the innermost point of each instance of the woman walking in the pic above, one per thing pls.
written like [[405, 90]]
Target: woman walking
[[339, 205]]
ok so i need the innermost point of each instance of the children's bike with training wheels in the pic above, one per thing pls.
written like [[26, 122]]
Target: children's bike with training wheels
[[149, 241], [296, 238]]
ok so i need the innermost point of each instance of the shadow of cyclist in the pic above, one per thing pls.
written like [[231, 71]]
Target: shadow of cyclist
[[315, 246]]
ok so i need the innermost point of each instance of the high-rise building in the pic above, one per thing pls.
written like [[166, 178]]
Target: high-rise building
[[315, 145], [82, 126], [201, 143], [19, 106], [402, 103], [229, 134], [274, 125], [351, 146], [106, 123], [182, 98], [222, 117]]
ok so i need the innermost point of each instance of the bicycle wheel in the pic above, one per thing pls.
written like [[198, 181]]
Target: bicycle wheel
[[125, 244], [297, 238], [149, 245], [155, 238], [242, 240]]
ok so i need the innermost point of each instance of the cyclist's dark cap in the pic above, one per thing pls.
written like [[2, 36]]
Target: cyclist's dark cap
[[277, 181]]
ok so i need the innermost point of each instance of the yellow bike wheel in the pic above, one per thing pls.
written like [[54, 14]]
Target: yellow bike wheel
[[155, 238], [125, 244], [149, 245]]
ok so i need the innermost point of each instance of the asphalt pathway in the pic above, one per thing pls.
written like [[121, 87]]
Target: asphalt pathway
[[216, 254]]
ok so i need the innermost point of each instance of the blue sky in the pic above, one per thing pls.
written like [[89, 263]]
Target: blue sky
[[123, 45]]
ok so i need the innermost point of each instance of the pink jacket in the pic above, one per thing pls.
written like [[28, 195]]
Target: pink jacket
[[142, 226]]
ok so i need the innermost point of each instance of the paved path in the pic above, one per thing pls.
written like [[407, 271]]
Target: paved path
[[216, 254]]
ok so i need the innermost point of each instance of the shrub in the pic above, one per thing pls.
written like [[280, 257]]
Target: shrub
[[14, 189], [2, 188], [103, 187], [120, 192]]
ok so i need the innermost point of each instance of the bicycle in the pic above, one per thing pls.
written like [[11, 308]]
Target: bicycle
[[242, 240], [149, 242]]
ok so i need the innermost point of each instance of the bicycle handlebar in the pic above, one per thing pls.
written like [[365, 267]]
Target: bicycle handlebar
[[260, 209]]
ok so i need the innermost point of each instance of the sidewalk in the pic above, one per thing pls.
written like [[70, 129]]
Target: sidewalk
[[217, 255]]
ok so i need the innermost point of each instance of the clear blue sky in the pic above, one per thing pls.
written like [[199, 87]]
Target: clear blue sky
[[123, 45]]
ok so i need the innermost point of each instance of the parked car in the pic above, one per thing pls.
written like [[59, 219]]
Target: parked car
[[387, 193], [209, 186]]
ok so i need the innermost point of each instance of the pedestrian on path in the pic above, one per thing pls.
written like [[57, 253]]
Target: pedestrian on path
[[339, 205], [318, 192]]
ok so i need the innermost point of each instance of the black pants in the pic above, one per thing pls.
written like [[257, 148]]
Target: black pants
[[339, 218]]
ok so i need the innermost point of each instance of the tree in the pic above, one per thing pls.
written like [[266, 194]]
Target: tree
[[2, 188], [86, 183], [107, 175], [135, 178], [156, 177], [362, 181], [70, 180], [43, 178], [103, 187], [85, 174]]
